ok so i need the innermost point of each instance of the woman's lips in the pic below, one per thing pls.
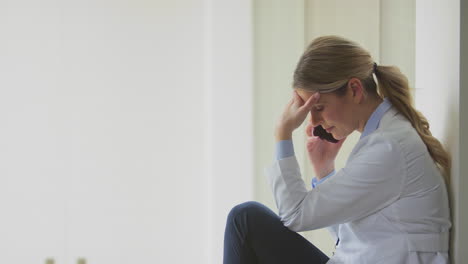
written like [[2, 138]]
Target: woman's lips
[[329, 129]]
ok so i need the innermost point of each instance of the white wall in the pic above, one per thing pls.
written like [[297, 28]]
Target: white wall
[[279, 42], [398, 35], [126, 129], [438, 91], [228, 112]]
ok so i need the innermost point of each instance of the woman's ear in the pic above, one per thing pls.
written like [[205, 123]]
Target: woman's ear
[[357, 90]]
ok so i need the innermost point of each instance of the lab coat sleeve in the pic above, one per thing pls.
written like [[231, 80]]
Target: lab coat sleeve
[[372, 179], [316, 182]]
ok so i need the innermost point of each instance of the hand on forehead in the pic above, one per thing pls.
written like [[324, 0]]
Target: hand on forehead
[[305, 95]]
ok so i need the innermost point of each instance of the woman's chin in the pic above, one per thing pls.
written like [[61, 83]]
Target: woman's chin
[[337, 136], [340, 136]]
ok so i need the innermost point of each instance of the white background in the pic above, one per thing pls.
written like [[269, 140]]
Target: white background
[[125, 129]]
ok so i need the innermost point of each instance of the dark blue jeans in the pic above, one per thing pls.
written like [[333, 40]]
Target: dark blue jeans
[[255, 234]]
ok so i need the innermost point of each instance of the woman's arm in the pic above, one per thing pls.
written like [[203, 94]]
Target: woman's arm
[[372, 179]]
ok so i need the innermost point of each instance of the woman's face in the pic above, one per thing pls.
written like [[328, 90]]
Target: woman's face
[[334, 113]]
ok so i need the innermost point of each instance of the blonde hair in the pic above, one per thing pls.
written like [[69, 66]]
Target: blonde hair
[[330, 61]]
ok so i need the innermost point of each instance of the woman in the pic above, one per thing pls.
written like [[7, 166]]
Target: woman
[[387, 205]]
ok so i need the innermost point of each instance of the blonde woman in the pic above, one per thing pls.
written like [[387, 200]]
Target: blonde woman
[[388, 204]]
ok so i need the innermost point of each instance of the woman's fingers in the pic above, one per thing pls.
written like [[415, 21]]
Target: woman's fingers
[[314, 140], [295, 113], [311, 101], [309, 129], [297, 98]]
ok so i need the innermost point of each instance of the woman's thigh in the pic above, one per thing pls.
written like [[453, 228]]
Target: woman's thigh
[[255, 232]]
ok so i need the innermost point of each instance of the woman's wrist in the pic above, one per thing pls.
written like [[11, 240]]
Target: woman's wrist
[[323, 172], [283, 134]]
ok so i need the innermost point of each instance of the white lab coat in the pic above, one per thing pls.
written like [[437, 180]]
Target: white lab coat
[[388, 204]]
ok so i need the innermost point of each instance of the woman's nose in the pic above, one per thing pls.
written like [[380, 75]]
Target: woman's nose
[[315, 119]]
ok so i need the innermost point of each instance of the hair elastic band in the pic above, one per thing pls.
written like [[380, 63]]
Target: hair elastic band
[[375, 67]]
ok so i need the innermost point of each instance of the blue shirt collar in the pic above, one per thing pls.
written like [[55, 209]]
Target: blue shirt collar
[[374, 120]]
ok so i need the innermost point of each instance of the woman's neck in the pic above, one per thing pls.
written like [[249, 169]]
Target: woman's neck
[[367, 111]]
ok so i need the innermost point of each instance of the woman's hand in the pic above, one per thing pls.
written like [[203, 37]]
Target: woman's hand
[[321, 153], [293, 115]]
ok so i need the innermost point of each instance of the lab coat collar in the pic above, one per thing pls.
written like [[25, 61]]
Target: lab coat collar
[[374, 120]]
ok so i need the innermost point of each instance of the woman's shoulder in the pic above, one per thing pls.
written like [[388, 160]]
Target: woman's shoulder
[[397, 130], [394, 134]]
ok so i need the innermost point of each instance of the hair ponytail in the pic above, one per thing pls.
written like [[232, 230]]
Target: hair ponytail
[[394, 85]]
